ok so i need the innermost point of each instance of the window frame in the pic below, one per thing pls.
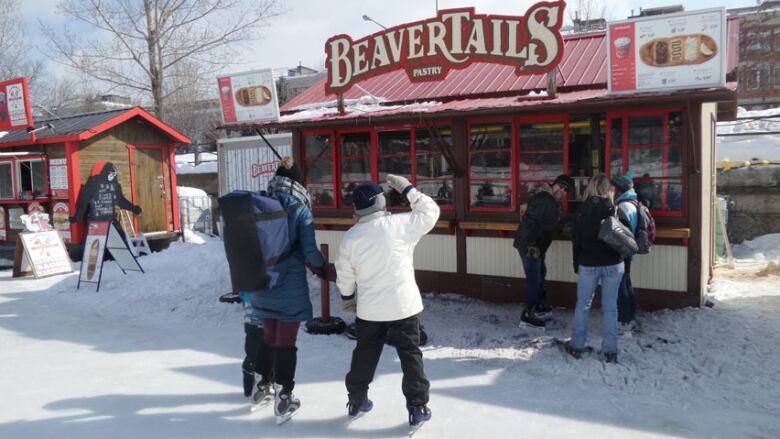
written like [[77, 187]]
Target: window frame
[[31, 159], [14, 193], [513, 160], [336, 168], [337, 157], [683, 143], [563, 118], [414, 127]]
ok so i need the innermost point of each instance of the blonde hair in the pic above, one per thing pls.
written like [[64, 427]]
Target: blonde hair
[[600, 186], [287, 162]]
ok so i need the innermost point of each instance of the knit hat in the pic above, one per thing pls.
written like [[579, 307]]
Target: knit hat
[[288, 169], [623, 182], [566, 182], [368, 198]]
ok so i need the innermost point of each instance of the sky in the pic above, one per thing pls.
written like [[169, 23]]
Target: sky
[[299, 35]]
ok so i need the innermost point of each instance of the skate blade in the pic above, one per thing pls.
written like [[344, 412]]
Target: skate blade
[[286, 417], [413, 429], [265, 402]]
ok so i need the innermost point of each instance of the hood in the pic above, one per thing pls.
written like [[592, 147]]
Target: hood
[[629, 195], [103, 168]]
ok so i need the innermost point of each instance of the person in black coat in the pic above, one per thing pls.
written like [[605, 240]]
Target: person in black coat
[[595, 262], [532, 240]]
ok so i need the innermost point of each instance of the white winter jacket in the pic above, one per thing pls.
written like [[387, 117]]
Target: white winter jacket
[[376, 256]]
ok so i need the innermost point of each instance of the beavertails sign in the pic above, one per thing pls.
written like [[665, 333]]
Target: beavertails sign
[[454, 39]]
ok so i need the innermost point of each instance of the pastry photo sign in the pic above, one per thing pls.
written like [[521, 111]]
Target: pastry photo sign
[[248, 97], [668, 52]]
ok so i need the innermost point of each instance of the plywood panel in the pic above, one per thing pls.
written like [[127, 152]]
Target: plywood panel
[[433, 252]]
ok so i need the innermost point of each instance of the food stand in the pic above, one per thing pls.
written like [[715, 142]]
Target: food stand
[[480, 110]]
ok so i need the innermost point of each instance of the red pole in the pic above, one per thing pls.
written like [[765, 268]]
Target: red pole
[[325, 289]]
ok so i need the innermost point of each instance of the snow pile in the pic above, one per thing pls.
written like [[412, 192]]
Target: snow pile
[[155, 355], [366, 104], [763, 248], [185, 191], [185, 164]]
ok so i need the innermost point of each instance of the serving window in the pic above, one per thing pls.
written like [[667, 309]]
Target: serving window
[[490, 166], [23, 178], [543, 147], [650, 144], [319, 168], [369, 155]]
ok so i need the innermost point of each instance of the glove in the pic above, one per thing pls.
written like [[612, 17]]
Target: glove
[[576, 268], [398, 183], [137, 210], [73, 219], [349, 305], [534, 253], [323, 271]]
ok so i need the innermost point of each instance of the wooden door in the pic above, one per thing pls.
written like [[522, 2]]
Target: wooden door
[[150, 189]]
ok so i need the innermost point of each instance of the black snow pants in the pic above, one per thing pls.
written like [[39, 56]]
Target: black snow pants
[[404, 334]]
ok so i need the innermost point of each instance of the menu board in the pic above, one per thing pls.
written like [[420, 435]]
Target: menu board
[[248, 97], [15, 218], [46, 253], [668, 52], [58, 178]]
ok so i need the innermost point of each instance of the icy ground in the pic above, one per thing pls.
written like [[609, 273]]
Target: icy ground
[[156, 356]]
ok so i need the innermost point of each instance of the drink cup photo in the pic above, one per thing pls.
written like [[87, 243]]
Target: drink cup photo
[[622, 46]]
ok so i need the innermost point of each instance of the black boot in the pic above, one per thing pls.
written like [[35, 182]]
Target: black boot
[[285, 362], [529, 317], [258, 359]]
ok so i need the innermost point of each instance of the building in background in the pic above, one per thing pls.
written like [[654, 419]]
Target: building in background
[[759, 55]]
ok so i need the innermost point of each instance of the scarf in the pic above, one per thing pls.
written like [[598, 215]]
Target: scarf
[[290, 186]]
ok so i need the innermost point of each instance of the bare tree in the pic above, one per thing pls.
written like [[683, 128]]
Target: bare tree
[[14, 48], [583, 12], [142, 43]]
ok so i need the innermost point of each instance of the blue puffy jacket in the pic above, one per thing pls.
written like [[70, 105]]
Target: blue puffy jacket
[[289, 301]]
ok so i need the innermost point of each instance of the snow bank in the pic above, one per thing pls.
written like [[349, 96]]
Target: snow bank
[[185, 191], [763, 248], [748, 147]]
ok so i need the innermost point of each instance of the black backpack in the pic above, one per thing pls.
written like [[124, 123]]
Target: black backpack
[[645, 226]]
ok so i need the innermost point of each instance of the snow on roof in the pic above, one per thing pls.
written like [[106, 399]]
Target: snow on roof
[[185, 191]]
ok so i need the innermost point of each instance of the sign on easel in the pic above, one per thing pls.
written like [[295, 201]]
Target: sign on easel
[[103, 236], [46, 254]]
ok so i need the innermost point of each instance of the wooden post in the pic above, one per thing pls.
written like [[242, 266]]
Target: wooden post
[[552, 83], [340, 103], [325, 289]]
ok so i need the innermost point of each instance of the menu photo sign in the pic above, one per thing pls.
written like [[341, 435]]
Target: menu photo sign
[[58, 178], [46, 253], [248, 97], [668, 52], [60, 214], [15, 108]]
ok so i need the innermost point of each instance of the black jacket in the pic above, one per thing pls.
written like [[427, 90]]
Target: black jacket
[[99, 197], [539, 222], [588, 249]]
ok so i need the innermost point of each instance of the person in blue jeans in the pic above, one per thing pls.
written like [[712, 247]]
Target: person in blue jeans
[[533, 239], [627, 203], [595, 261]]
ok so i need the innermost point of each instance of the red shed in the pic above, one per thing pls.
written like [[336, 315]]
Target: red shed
[[45, 171]]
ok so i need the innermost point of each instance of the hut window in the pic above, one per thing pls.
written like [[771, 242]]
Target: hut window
[[653, 150], [6, 180], [394, 156], [490, 166], [433, 175], [543, 149], [355, 163], [318, 165], [32, 177]]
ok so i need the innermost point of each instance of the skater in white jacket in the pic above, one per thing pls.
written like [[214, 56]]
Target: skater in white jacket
[[375, 275]]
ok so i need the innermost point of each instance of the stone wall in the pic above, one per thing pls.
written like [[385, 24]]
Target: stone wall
[[753, 195]]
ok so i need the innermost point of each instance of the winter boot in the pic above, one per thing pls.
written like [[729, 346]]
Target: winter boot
[[418, 415], [610, 357], [286, 405], [529, 317], [356, 410], [571, 350], [543, 311]]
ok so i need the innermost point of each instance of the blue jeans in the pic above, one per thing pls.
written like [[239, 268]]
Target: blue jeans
[[610, 276], [535, 272]]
